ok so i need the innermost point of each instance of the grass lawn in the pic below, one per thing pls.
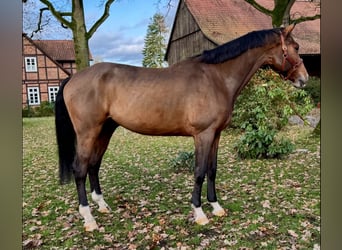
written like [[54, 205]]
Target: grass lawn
[[271, 204]]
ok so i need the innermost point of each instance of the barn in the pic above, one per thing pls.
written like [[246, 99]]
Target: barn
[[205, 24]]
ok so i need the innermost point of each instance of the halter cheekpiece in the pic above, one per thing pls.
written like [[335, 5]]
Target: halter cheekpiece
[[294, 64]]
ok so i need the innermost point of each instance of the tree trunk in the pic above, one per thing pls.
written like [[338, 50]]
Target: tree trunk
[[77, 25], [281, 12], [80, 35]]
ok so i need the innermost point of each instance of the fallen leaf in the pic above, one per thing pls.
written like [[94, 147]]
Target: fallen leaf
[[292, 233], [266, 204]]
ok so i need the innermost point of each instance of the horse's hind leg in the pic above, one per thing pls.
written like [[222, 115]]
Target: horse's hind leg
[[92, 142], [100, 147], [80, 167]]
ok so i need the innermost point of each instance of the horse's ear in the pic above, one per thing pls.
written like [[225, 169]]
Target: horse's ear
[[288, 29]]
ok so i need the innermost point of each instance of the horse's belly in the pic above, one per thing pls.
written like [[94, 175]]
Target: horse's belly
[[149, 122], [147, 128]]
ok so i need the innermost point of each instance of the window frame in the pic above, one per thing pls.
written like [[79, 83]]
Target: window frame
[[52, 92], [30, 64], [35, 93]]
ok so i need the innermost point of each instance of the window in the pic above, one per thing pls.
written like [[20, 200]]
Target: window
[[53, 93], [31, 64], [33, 96]]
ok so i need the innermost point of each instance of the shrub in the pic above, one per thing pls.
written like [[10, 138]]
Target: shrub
[[262, 110], [184, 160], [262, 144], [268, 101], [26, 112], [313, 88], [45, 109]]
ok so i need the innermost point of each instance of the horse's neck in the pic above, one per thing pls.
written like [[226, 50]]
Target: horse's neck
[[237, 72]]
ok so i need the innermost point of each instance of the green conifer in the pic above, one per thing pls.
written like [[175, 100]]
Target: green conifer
[[155, 44]]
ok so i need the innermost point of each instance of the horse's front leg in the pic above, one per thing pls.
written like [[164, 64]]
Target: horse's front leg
[[203, 144], [212, 167]]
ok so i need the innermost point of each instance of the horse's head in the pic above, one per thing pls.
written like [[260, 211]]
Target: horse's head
[[286, 59]]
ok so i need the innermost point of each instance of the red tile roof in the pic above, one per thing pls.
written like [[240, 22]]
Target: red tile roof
[[59, 50], [224, 20], [307, 33]]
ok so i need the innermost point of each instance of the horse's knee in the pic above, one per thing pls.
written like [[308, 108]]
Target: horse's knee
[[200, 173], [212, 173], [199, 179]]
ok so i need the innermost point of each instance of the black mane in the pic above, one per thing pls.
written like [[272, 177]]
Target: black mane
[[239, 45]]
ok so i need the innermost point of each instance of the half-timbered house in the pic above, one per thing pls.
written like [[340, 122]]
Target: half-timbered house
[[46, 63], [205, 24]]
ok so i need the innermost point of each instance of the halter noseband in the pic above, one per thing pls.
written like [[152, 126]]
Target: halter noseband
[[293, 63]]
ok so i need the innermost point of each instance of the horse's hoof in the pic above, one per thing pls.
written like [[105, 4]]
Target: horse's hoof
[[90, 226], [104, 210], [219, 212], [200, 217], [202, 221], [217, 209]]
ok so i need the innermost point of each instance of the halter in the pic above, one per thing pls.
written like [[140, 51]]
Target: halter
[[293, 63]]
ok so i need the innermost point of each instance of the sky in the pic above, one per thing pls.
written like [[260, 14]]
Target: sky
[[121, 37]]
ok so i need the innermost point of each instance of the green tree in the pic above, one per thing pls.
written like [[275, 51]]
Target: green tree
[[155, 44], [74, 20]]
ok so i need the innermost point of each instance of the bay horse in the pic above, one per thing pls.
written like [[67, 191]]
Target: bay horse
[[194, 97]]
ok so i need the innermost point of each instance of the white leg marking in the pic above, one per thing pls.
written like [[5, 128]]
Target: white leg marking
[[200, 217], [89, 221], [103, 206], [217, 209]]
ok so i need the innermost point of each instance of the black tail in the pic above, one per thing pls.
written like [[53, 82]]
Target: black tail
[[66, 137]]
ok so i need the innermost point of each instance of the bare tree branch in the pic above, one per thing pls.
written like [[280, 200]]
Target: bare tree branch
[[104, 16], [305, 18], [65, 13], [260, 7], [281, 13], [57, 14], [39, 25], [169, 7]]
